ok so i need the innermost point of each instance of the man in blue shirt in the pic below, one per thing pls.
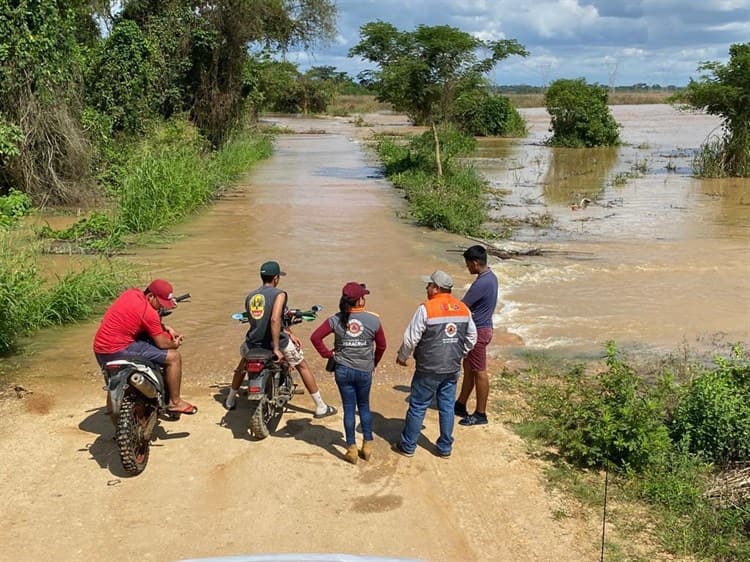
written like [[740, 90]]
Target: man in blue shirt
[[481, 298]]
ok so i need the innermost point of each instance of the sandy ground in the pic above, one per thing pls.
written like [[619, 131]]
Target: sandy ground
[[211, 490]]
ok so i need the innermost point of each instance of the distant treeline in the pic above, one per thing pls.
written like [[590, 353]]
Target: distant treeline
[[634, 88]]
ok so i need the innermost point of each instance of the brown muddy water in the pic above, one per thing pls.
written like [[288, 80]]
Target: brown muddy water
[[653, 262], [657, 259]]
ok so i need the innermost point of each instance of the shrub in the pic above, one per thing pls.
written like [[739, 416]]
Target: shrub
[[580, 116], [610, 420], [454, 202], [478, 113], [713, 416], [13, 206]]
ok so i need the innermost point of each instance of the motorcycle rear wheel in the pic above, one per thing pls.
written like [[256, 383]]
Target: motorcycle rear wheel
[[134, 447], [264, 413]]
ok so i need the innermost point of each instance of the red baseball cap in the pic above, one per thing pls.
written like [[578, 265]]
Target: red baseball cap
[[354, 290], [162, 290]]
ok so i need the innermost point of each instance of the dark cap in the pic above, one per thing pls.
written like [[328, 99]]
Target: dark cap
[[354, 290], [162, 290], [270, 269], [439, 279]]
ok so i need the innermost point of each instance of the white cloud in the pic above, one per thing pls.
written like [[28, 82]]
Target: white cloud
[[652, 41]]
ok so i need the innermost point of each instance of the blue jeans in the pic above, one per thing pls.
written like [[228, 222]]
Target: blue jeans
[[354, 386], [423, 389]]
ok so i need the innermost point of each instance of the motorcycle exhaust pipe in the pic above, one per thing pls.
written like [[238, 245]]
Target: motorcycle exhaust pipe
[[144, 386]]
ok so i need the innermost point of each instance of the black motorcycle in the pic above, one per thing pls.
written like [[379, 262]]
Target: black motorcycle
[[269, 382], [138, 396]]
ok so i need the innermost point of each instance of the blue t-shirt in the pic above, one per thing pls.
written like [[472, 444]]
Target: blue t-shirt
[[481, 298]]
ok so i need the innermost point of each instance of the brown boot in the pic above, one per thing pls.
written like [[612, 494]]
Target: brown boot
[[366, 451], [351, 454]]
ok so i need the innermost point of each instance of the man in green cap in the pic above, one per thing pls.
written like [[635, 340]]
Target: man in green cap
[[265, 309]]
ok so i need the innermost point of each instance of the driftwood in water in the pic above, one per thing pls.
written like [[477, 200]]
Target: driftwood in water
[[506, 254]]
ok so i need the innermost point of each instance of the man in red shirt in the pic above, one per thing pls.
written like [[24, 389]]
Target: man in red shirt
[[132, 327]]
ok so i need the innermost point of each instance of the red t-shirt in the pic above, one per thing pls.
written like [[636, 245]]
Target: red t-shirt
[[126, 318]]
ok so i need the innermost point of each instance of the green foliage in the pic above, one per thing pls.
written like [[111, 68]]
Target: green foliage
[[609, 421], [13, 206], [99, 232], [454, 202], [164, 178], [122, 79], [11, 138], [20, 282], [713, 417], [481, 114], [279, 86], [29, 302], [45, 151], [580, 115], [724, 90], [422, 72]]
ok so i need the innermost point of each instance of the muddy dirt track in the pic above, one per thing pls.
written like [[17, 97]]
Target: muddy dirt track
[[209, 489]]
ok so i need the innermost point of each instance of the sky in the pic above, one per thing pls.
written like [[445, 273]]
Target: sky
[[609, 42]]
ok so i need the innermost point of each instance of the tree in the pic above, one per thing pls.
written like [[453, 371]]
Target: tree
[[725, 91], [423, 71], [211, 41], [47, 153], [580, 115]]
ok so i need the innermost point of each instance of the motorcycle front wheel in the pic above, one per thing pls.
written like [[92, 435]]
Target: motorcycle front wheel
[[132, 443]]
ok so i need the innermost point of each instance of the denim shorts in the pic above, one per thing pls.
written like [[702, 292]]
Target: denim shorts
[[136, 349]]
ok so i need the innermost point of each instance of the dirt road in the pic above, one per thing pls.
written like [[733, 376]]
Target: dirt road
[[209, 489]]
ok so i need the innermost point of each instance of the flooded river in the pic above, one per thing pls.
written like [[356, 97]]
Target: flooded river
[[652, 262], [643, 253]]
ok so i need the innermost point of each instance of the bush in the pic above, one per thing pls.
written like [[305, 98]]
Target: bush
[[580, 116], [609, 421], [13, 206], [454, 202], [478, 113], [713, 416]]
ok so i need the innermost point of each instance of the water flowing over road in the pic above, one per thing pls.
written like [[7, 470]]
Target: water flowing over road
[[318, 208]]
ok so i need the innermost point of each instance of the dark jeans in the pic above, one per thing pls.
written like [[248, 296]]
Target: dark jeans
[[423, 389], [354, 386]]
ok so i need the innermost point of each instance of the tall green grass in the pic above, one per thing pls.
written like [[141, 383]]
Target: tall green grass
[[174, 173], [164, 178], [29, 302]]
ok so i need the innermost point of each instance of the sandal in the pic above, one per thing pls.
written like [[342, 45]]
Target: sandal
[[330, 410], [185, 408]]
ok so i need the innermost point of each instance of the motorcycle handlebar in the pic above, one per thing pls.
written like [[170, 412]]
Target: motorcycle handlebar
[[292, 316]]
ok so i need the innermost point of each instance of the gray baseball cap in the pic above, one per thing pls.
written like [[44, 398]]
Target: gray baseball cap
[[440, 279]]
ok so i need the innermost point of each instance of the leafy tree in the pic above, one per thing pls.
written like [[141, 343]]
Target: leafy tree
[[725, 91], [122, 81], [580, 115], [423, 71], [214, 85], [40, 91]]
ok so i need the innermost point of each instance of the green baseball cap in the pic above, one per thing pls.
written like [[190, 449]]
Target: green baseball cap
[[271, 268]]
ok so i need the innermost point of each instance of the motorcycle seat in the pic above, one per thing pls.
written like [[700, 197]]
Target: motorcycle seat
[[259, 353]]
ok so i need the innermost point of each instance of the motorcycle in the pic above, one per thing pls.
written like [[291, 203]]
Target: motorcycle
[[269, 382], [138, 396]]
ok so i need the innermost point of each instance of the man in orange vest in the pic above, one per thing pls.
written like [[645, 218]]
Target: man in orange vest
[[441, 333]]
